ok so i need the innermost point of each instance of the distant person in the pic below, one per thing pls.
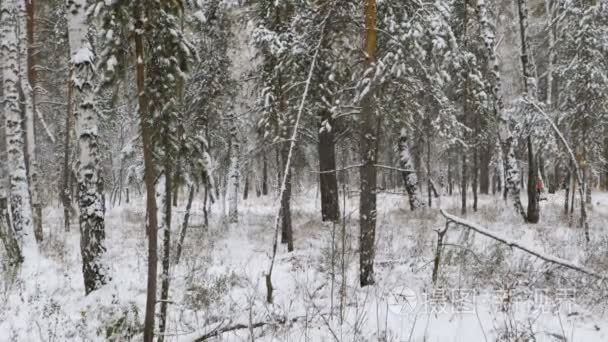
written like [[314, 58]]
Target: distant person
[[540, 187]]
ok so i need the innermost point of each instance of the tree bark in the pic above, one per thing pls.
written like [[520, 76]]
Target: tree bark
[[28, 89], [368, 150], [149, 176], [90, 180], [66, 187], [286, 227], [182, 235], [264, 173], [484, 171], [166, 256], [330, 210], [233, 171], [12, 72], [533, 205], [533, 214]]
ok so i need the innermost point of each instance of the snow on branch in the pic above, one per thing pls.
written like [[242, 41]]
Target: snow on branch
[[515, 244]]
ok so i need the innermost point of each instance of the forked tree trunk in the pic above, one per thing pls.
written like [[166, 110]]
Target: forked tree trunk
[[330, 209], [368, 152]]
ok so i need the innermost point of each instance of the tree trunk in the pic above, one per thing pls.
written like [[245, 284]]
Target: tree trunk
[[19, 197], [149, 176], [567, 183], [264, 173], [246, 187], [28, 89], [429, 181], [330, 210], [410, 178], [90, 181], [533, 198], [166, 256], [450, 177], [286, 227], [484, 171], [511, 170], [368, 150], [533, 214], [66, 187], [182, 234], [233, 171]]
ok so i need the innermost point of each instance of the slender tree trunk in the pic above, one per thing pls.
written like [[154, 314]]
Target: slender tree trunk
[[246, 187], [28, 89], [429, 181], [182, 234], [533, 214], [264, 173], [166, 256], [286, 227], [368, 146], [567, 183], [7, 235], [606, 158], [450, 177], [149, 176], [66, 187], [533, 205], [484, 171], [330, 210], [233, 171], [465, 119]]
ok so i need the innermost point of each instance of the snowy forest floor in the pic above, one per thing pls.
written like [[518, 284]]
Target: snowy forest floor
[[485, 291]]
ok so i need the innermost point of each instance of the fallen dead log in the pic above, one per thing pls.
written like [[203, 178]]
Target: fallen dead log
[[515, 244]]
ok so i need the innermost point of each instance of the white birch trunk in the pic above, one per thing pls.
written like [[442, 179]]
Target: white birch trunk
[[19, 197], [233, 172], [90, 181], [504, 132]]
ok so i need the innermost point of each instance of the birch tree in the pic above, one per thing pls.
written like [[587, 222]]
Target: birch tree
[[90, 181], [11, 21]]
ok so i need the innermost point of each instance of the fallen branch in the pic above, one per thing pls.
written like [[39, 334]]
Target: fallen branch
[[241, 326], [515, 244], [219, 331]]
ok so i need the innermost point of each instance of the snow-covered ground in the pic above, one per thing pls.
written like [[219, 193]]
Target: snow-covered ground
[[485, 291]]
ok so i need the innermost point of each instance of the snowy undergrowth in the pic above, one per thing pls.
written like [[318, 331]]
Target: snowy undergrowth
[[484, 292]]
